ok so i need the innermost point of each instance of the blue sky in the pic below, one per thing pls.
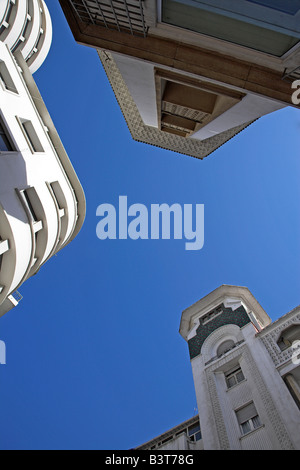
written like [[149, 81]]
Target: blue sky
[[94, 357]]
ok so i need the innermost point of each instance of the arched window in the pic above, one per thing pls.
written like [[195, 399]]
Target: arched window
[[288, 336], [224, 347]]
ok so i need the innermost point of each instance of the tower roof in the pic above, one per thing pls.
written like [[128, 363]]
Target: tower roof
[[215, 298]]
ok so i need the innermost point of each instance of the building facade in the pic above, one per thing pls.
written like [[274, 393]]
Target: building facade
[[246, 373], [189, 76], [42, 204]]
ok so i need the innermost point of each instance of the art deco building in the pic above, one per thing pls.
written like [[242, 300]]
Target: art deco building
[[42, 204], [190, 75], [246, 372]]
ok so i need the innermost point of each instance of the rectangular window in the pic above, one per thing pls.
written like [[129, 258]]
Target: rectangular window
[[194, 432], [30, 135], [248, 418], [234, 377], [29, 205], [5, 78], [6, 144], [27, 196], [240, 24], [59, 197]]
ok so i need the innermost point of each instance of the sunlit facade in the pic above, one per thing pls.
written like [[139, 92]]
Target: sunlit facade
[[42, 204]]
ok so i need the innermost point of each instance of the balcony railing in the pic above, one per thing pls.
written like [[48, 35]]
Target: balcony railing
[[120, 15]]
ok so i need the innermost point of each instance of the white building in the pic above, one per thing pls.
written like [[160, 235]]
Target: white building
[[42, 204], [246, 373]]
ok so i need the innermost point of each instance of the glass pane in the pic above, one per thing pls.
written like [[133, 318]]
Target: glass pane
[[4, 143], [231, 381], [194, 429], [239, 376], [245, 427], [242, 32], [256, 422], [287, 6]]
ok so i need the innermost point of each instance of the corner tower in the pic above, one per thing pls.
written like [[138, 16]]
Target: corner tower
[[25, 25], [242, 400]]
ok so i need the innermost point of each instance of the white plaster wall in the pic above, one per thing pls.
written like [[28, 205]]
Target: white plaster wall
[[139, 78], [205, 409], [251, 107]]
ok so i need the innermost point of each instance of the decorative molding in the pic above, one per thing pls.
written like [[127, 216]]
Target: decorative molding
[[269, 405], [270, 338], [217, 411]]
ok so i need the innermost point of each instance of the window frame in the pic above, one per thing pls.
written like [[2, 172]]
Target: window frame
[[6, 80], [30, 135], [28, 205], [4, 131], [251, 422], [232, 373]]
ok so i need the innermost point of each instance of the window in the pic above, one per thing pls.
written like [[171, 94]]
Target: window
[[30, 135], [28, 196], [248, 418], [59, 197], [194, 432], [6, 144], [212, 314], [234, 376], [241, 24], [5, 78]]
